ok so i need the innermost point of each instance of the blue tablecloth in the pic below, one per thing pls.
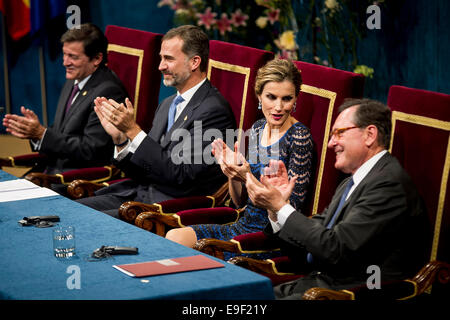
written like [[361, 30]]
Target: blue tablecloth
[[28, 269]]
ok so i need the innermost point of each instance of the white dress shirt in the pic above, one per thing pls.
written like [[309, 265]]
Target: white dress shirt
[[284, 213]]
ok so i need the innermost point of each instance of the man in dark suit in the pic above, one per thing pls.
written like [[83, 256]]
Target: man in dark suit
[[375, 219], [76, 139], [169, 161]]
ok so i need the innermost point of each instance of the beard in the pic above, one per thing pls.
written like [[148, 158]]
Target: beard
[[177, 79]]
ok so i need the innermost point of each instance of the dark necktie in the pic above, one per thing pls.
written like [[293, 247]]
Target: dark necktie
[[341, 203], [74, 92], [173, 110], [309, 256]]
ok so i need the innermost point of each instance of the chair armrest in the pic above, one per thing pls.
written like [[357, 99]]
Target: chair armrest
[[26, 160], [259, 266], [82, 188], [158, 223], [129, 210], [327, 294], [93, 175], [271, 268], [256, 242], [432, 271], [43, 179], [216, 247]]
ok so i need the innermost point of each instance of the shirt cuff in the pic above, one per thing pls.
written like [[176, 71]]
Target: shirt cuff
[[37, 143], [282, 215], [131, 147]]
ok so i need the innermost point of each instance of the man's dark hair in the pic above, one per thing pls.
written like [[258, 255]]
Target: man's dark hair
[[372, 112], [94, 41], [195, 42]]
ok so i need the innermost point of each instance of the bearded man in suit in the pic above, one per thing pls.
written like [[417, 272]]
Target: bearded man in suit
[[168, 162], [76, 139], [375, 218]]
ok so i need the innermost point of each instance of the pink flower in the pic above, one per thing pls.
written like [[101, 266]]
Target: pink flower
[[207, 18], [224, 24], [238, 19], [273, 15]]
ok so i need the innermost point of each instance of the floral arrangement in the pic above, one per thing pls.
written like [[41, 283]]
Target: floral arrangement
[[271, 22], [328, 31]]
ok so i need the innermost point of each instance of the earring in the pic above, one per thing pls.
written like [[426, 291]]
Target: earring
[[294, 108], [259, 105]]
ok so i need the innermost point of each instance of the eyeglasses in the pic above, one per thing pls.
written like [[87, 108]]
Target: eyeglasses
[[337, 133]]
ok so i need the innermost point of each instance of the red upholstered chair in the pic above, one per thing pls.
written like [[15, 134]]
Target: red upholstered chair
[[421, 142], [232, 70], [134, 56]]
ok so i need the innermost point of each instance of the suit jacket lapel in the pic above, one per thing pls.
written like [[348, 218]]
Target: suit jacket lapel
[[61, 109], [186, 115], [160, 121]]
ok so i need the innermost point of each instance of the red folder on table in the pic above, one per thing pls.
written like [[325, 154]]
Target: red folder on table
[[157, 267]]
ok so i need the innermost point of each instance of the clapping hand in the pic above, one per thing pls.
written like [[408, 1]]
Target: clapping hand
[[233, 164], [273, 190], [24, 127], [117, 118], [105, 115]]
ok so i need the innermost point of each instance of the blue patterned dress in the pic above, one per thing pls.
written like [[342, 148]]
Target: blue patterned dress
[[295, 149]]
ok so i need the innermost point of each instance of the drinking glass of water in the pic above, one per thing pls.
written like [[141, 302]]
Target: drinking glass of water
[[64, 242]]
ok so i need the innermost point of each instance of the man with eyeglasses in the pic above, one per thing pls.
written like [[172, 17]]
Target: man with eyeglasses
[[375, 221]]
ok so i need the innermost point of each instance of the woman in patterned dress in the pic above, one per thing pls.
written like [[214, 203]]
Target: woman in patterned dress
[[277, 136]]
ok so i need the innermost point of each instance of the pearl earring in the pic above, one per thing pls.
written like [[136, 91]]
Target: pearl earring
[[294, 108], [259, 105]]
